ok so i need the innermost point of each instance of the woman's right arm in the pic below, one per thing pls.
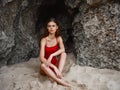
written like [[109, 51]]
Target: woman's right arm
[[42, 50]]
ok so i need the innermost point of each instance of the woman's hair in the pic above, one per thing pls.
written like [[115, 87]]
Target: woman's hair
[[46, 33]]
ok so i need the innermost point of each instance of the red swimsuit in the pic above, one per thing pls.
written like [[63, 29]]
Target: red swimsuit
[[49, 51]]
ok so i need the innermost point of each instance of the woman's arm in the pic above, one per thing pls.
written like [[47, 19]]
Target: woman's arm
[[62, 48], [42, 54]]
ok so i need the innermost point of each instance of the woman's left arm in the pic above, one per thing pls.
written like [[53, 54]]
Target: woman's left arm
[[61, 50]]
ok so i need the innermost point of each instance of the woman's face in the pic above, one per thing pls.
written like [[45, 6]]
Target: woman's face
[[52, 27]]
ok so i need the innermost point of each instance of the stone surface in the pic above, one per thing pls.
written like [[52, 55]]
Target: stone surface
[[96, 36], [80, 78], [92, 33], [72, 3], [17, 26]]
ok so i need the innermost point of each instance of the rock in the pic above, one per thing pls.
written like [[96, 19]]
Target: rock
[[95, 36], [80, 77]]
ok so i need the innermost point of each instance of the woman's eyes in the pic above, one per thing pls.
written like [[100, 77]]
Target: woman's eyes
[[51, 25]]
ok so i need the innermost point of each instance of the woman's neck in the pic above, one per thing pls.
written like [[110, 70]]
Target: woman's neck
[[51, 36]]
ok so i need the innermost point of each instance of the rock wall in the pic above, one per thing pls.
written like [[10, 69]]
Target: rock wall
[[20, 27], [90, 29], [97, 34], [17, 31]]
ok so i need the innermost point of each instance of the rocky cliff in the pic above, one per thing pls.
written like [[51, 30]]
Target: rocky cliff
[[90, 29]]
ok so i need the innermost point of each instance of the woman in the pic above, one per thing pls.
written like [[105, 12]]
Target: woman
[[51, 46]]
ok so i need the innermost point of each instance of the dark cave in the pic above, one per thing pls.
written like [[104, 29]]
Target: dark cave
[[58, 10]]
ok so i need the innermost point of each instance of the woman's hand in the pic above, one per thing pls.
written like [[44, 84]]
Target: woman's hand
[[47, 63], [57, 72], [50, 58]]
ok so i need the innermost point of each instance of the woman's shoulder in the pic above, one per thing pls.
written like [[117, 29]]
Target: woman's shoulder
[[43, 39], [59, 38]]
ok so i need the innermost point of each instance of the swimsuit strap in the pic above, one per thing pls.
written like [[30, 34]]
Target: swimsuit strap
[[56, 40]]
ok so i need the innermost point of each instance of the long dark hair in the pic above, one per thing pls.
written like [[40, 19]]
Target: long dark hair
[[46, 33]]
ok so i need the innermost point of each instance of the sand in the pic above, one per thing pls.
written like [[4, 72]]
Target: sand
[[25, 76]]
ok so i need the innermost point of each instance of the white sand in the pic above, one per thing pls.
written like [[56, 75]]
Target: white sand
[[25, 76]]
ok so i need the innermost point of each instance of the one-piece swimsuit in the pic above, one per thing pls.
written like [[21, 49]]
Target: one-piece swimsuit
[[49, 51]]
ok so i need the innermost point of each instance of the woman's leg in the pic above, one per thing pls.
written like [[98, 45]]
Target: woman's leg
[[51, 74], [42, 72], [62, 62]]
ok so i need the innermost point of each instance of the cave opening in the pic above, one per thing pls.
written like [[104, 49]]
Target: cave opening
[[58, 10]]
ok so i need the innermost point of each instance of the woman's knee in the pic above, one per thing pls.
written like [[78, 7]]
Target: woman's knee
[[64, 54], [43, 66]]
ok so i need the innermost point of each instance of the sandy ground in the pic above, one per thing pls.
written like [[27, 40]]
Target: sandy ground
[[25, 76]]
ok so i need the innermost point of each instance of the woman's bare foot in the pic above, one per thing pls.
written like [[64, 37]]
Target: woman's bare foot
[[51, 80], [65, 83]]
